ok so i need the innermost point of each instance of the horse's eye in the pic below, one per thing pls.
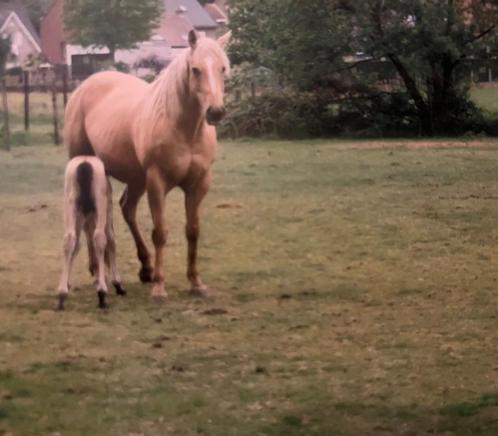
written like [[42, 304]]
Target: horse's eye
[[196, 71], [223, 70]]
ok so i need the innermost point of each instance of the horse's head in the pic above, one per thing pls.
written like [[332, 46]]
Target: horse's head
[[208, 67]]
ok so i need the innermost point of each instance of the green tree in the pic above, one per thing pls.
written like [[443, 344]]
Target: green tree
[[115, 24], [37, 10], [426, 42]]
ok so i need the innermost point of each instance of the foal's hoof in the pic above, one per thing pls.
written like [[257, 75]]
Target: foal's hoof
[[60, 302], [102, 300], [119, 288], [199, 291], [145, 275]]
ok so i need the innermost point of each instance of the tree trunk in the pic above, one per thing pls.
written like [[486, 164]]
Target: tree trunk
[[423, 108], [6, 124]]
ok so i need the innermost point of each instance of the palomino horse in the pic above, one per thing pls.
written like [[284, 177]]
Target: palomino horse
[[154, 137]]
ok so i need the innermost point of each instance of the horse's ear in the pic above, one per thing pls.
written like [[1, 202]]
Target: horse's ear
[[224, 40], [192, 39]]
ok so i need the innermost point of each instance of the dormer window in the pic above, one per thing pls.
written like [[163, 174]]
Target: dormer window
[[181, 9]]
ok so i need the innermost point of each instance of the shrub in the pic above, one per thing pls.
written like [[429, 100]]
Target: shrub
[[286, 114]]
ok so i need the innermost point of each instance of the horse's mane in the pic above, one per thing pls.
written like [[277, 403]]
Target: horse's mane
[[171, 87]]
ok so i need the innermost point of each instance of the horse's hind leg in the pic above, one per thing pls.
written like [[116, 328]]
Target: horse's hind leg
[[129, 203], [193, 199]]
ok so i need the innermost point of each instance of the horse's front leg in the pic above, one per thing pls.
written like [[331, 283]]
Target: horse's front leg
[[156, 191], [193, 198]]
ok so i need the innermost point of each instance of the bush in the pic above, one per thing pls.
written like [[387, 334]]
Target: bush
[[286, 114]]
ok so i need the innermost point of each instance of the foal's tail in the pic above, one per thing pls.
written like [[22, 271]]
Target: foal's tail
[[84, 177]]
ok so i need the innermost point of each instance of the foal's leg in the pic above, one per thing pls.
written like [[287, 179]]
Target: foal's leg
[[71, 247], [89, 228], [110, 254], [193, 199], [156, 191], [129, 203], [100, 243]]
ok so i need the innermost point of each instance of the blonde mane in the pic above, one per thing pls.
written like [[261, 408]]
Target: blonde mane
[[171, 87]]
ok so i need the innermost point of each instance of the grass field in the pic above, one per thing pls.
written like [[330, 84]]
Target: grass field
[[355, 293]]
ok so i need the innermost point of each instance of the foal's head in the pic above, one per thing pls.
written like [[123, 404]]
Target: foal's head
[[208, 67]]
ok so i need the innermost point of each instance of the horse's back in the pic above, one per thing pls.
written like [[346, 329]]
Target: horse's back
[[100, 115]]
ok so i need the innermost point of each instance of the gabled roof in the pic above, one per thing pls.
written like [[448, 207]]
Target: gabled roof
[[174, 29], [196, 14], [16, 6], [216, 13]]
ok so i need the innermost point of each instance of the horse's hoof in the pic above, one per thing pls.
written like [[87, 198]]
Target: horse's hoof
[[119, 288], [145, 275], [102, 300], [199, 291], [159, 294], [159, 298]]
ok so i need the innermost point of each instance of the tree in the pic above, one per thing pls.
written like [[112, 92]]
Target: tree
[[115, 24], [426, 42], [37, 10]]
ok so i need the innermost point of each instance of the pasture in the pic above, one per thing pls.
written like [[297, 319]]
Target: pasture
[[355, 292]]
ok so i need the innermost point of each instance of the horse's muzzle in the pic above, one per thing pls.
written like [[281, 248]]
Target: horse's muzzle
[[215, 114]]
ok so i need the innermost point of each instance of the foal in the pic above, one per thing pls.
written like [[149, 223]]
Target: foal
[[88, 206]]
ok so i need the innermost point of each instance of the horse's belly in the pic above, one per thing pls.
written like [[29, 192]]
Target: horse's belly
[[120, 163]]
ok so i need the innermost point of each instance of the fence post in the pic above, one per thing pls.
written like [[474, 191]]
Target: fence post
[[26, 100], [6, 124], [55, 111], [64, 84]]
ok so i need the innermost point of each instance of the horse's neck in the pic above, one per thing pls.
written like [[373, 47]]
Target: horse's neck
[[190, 119], [187, 120]]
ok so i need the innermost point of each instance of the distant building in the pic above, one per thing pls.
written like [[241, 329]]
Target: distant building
[[170, 37], [218, 10], [16, 24]]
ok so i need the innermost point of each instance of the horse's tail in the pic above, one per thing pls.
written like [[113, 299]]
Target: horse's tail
[[84, 178], [75, 135]]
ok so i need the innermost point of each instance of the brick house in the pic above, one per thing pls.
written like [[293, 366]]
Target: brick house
[[179, 17]]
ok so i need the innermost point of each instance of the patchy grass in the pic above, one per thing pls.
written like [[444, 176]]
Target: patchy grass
[[354, 293]]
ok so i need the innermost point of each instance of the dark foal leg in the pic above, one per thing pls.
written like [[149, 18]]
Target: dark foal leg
[[129, 203], [193, 198]]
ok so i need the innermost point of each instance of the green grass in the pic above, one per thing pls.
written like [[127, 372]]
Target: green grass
[[354, 293]]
